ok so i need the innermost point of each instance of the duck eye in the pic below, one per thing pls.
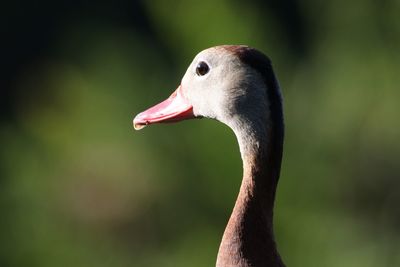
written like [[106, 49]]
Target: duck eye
[[202, 68]]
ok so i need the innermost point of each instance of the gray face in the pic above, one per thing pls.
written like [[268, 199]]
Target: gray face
[[228, 91]]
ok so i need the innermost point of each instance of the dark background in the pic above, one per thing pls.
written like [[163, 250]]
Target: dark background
[[79, 187]]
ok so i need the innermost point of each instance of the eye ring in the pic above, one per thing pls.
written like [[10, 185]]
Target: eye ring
[[202, 68]]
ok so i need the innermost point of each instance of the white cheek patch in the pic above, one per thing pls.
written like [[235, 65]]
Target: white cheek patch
[[209, 93]]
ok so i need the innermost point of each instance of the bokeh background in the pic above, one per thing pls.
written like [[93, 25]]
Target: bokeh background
[[79, 187]]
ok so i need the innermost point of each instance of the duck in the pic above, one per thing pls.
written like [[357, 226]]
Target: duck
[[236, 85]]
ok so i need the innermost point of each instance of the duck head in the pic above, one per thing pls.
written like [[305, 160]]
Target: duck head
[[226, 83]]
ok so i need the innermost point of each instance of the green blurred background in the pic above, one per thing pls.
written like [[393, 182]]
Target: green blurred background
[[79, 187]]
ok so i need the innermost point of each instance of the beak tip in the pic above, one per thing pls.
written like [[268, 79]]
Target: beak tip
[[138, 124], [138, 127]]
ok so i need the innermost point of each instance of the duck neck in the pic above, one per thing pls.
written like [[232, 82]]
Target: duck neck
[[248, 239]]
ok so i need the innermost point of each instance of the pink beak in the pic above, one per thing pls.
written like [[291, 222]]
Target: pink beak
[[174, 108]]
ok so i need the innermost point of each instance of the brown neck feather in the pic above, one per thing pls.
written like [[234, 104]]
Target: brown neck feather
[[248, 239]]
